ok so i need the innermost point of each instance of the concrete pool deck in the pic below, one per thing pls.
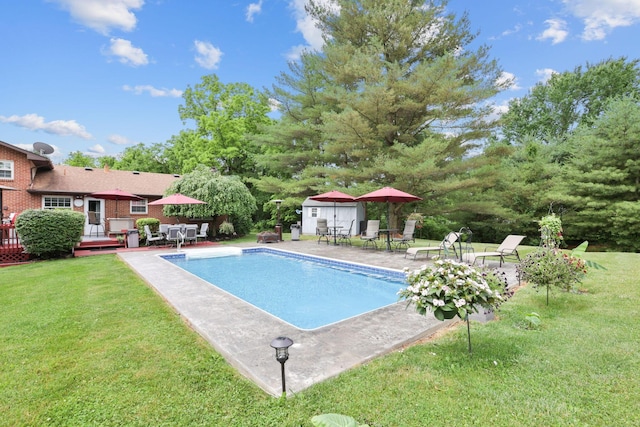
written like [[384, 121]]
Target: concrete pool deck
[[242, 333]]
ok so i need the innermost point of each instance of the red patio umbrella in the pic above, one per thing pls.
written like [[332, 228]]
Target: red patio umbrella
[[335, 197], [177, 199], [116, 195], [388, 195]]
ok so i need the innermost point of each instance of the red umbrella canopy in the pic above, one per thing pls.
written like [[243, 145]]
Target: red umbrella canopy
[[116, 195], [388, 194], [177, 199], [333, 196]]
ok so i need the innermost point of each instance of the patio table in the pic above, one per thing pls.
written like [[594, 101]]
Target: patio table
[[388, 232]]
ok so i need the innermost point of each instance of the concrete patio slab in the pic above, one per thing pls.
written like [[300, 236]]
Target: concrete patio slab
[[242, 334]]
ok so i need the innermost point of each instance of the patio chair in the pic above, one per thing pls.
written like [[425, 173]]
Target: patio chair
[[344, 236], [322, 230], [174, 235], [152, 238], [95, 222], [508, 247], [202, 234], [447, 244], [407, 235], [190, 233], [371, 234]]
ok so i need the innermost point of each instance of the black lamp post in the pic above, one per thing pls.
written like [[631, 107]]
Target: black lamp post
[[278, 202], [282, 344]]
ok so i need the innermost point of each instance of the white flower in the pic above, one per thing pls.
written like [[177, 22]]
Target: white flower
[[459, 303], [438, 303]]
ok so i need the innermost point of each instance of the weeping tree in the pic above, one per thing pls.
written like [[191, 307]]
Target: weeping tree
[[396, 97], [224, 195]]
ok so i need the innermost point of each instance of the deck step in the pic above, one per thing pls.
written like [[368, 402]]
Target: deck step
[[100, 244]]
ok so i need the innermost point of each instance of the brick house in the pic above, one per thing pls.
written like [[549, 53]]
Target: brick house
[[39, 184]]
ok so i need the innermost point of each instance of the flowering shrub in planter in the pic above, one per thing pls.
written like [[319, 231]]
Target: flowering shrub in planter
[[451, 289]]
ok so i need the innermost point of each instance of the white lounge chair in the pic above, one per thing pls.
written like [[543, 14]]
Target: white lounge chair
[[445, 246], [507, 248]]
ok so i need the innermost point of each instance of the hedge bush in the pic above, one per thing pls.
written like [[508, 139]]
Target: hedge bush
[[50, 233], [153, 223]]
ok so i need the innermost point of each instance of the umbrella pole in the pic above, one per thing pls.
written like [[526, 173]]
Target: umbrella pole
[[335, 242], [388, 226]]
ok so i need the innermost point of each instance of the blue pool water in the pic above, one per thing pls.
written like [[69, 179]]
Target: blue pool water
[[307, 292]]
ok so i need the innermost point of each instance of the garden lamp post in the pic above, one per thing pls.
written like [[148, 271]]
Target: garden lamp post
[[278, 202], [282, 344]]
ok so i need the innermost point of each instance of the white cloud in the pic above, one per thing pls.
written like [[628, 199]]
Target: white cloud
[[97, 149], [153, 91], [508, 81], [497, 110], [600, 17], [306, 26], [208, 55], [56, 127], [557, 31], [253, 9], [127, 53], [103, 15], [545, 74], [119, 140]]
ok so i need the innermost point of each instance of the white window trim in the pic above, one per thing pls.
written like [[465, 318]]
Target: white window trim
[[10, 168], [44, 206], [139, 203]]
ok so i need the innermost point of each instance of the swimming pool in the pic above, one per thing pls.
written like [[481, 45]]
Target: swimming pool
[[305, 291]]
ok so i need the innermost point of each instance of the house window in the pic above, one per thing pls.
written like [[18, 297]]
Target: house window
[[56, 202], [6, 169], [314, 212], [139, 206]]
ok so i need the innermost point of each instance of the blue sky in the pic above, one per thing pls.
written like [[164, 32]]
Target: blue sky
[[97, 76]]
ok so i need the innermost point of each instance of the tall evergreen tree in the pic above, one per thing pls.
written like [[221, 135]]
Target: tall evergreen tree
[[396, 84], [602, 178]]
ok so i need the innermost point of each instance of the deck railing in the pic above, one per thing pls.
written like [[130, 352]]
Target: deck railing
[[10, 248]]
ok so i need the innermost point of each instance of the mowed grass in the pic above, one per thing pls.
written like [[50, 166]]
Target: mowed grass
[[86, 342]]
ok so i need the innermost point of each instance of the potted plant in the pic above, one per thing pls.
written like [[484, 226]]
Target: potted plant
[[450, 288]]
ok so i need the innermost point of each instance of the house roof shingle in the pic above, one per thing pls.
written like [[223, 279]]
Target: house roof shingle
[[65, 179]]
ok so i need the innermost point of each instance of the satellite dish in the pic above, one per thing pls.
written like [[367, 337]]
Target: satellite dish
[[42, 148]]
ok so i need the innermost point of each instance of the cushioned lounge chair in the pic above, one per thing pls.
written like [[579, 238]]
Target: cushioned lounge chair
[[407, 235], [447, 246], [507, 248], [370, 236]]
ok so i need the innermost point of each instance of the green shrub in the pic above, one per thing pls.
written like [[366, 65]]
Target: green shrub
[[226, 228], [153, 223], [50, 233]]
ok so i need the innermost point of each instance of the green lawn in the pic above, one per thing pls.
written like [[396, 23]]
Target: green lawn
[[86, 342]]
